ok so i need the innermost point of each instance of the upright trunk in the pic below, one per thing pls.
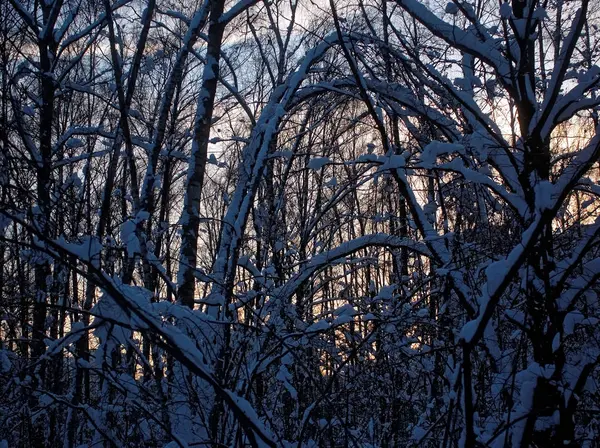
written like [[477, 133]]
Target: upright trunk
[[191, 210], [42, 217], [42, 268], [542, 308]]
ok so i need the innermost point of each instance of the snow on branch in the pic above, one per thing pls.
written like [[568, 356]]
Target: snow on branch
[[323, 259]]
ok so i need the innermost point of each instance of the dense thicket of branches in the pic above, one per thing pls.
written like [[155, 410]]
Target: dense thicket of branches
[[299, 223]]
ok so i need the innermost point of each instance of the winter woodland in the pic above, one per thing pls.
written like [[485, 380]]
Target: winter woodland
[[299, 223]]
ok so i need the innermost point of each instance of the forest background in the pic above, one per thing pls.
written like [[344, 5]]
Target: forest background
[[299, 223]]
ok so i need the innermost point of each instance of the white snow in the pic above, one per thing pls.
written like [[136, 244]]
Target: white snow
[[505, 10], [317, 163], [451, 8]]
